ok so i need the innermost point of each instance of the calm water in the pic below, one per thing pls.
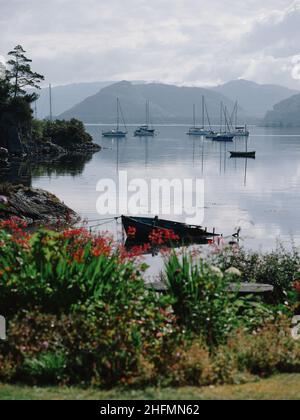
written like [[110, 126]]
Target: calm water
[[262, 196]]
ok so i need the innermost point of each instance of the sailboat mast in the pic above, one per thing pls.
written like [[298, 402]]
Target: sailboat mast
[[50, 101], [208, 119], [147, 113], [221, 119], [118, 114], [203, 116], [227, 127], [194, 115]]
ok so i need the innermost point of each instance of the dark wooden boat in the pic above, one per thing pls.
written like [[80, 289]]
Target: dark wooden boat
[[227, 137], [250, 155], [140, 228]]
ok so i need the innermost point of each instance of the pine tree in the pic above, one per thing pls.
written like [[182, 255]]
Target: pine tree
[[20, 74]]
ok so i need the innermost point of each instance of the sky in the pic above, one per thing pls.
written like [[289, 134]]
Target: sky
[[187, 42]]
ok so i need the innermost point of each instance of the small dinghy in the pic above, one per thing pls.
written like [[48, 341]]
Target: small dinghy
[[246, 154], [250, 155], [142, 228]]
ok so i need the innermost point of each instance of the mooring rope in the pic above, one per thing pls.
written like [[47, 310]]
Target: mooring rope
[[104, 221], [101, 220]]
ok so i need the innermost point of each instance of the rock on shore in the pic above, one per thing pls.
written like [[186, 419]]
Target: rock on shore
[[33, 205]]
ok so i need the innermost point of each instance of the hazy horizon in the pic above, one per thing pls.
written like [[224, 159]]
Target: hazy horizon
[[201, 43]]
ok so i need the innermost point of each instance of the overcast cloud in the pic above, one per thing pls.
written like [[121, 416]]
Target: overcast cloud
[[192, 42]]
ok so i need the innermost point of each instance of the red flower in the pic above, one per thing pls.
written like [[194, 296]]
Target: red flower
[[101, 246], [296, 286], [162, 236], [131, 232]]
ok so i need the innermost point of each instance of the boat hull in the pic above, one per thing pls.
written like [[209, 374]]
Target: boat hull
[[222, 138], [144, 227], [198, 133], [144, 134], [211, 135], [250, 155], [118, 134], [242, 134]]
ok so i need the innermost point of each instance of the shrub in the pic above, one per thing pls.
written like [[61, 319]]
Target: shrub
[[46, 368], [103, 346], [58, 270], [269, 350], [66, 133], [190, 365], [134, 348], [78, 312], [201, 300], [278, 268]]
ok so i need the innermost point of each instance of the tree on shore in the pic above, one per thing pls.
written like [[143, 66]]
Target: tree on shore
[[2, 71], [19, 73]]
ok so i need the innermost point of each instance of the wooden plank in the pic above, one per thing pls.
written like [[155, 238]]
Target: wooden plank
[[245, 288], [250, 288], [157, 286]]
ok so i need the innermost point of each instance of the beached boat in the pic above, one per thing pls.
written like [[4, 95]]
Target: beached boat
[[140, 228], [116, 132]]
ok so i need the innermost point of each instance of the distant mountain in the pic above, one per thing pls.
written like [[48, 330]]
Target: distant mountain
[[168, 103], [255, 99], [64, 97], [284, 114]]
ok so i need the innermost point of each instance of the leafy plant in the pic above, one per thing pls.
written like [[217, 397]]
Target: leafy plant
[[279, 268], [58, 271], [201, 299], [46, 368]]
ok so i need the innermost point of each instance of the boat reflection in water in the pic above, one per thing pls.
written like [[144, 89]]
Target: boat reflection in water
[[154, 249]]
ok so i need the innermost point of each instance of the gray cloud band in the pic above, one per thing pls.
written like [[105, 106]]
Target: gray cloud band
[[170, 40]]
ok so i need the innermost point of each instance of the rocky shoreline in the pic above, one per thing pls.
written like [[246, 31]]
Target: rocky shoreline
[[47, 152], [33, 150], [35, 206]]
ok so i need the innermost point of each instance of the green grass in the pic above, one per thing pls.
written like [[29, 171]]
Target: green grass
[[284, 387]]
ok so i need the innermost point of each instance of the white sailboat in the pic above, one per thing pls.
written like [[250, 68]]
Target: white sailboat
[[199, 131], [145, 130], [116, 132], [225, 135], [239, 130]]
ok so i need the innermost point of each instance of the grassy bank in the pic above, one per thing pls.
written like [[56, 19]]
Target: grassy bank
[[284, 387]]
